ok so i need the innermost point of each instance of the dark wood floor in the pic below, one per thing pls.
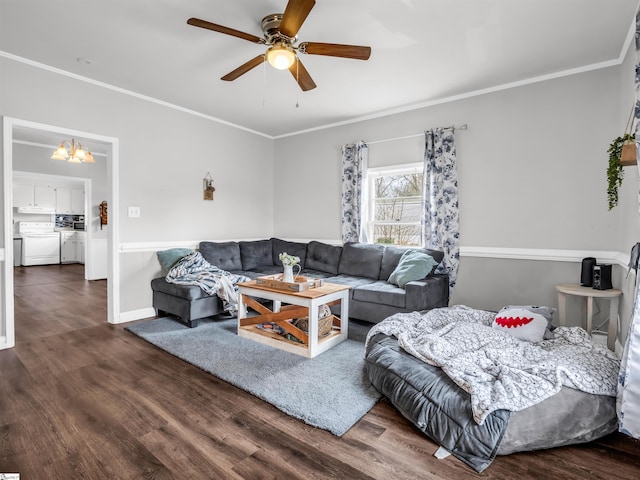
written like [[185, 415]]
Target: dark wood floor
[[82, 399]]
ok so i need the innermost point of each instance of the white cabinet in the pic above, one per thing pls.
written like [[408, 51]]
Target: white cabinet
[[34, 196], [77, 202], [80, 241], [69, 201], [63, 200], [72, 247], [44, 196], [23, 195], [68, 247]]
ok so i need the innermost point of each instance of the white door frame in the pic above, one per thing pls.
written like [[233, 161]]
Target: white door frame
[[7, 323]]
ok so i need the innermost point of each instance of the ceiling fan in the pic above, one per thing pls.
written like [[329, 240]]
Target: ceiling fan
[[280, 35]]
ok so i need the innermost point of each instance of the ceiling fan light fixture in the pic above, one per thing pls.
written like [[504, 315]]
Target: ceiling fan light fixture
[[280, 56]]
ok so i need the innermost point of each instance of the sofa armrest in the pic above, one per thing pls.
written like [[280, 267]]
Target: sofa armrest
[[428, 293]]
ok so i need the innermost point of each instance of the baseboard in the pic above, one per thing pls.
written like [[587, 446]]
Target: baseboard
[[4, 344], [132, 315]]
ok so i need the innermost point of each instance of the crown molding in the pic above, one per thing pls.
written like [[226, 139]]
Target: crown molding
[[379, 114], [124, 91]]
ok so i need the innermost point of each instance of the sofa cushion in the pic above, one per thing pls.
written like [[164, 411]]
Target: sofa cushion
[[381, 292], [413, 265], [224, 255], [258, 253], [296, 249], [266, 270], [361, 260], [307, 272], [323, 257], [392, 254], [188, 292], [168, 258], [349, 280]]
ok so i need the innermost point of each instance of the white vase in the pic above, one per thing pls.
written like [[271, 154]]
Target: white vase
[[288, 275]]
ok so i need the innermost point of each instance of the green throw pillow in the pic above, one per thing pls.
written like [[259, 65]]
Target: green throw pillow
[[413, 265], [168, 258]]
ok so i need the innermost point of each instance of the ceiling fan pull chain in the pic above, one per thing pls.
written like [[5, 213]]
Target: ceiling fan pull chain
[[264, 83], [297, 81]]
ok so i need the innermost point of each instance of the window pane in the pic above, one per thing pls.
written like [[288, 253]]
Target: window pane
[[396, 208], [408, 209], [393, 186], [398, 234]]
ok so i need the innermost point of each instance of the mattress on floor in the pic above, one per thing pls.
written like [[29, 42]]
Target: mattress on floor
[[429, 399]]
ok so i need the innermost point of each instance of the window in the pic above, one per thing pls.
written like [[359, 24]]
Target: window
[[395, 205]]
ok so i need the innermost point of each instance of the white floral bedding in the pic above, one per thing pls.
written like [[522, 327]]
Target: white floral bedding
[[496, 369]]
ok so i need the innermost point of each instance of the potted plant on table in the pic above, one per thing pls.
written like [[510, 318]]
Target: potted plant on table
[[622, 152], [289, 261]]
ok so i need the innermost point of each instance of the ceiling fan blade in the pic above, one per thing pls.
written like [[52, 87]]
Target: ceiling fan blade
[[196, 22], [244, 68], [335, 50], [302, 76], [294, 16]]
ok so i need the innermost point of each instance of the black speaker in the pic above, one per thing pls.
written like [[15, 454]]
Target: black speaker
[[602, 277], [586, 275]]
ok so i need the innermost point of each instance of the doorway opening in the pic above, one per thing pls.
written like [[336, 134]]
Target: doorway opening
[[18, 132]]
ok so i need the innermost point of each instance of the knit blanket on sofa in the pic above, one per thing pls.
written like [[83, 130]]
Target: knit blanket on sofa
[[498, 370], [193, 269]]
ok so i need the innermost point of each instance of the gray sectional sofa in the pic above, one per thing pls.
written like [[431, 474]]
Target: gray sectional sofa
[[364, 267]]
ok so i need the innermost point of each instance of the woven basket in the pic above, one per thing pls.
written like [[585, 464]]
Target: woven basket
[[324, 325]]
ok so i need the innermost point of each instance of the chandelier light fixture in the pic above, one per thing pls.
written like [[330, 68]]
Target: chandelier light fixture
[[73, 152]]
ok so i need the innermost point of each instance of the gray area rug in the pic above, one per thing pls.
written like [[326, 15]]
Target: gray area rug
[[330, 391]]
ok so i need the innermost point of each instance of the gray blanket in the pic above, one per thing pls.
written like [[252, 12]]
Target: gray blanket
[[193, 269]]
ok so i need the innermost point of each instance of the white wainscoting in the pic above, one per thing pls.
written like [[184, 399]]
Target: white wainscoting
[[543, 254], [99, 254]]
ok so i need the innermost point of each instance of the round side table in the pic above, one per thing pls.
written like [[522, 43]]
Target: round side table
[[588, 293]]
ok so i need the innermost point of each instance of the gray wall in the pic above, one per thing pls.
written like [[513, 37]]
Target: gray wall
[[532, 158], [532, 175], [164, 155]]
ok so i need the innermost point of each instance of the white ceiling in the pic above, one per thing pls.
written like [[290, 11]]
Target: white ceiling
[[423, 51]]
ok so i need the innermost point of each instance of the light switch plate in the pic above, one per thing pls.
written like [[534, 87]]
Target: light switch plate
[[134, 212]]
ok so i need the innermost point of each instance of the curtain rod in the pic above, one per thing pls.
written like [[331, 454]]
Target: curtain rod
[[461, 127]]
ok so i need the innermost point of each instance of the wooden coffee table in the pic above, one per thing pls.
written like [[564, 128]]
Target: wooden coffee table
[[298, 304]]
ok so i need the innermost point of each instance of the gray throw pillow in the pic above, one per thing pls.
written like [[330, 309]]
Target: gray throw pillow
[[413, 265], [168, 258]]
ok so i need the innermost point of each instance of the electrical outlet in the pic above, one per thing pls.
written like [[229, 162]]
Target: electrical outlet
[[134, 212]]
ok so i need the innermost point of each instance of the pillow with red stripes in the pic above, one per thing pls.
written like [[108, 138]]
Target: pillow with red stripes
[[529, 323]]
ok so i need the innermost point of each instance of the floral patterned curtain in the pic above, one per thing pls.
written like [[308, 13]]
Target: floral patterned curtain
[[440, 200], [629, 378], [354, 173]]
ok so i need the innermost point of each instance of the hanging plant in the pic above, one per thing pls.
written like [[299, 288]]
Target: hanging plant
[[615, 173]]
